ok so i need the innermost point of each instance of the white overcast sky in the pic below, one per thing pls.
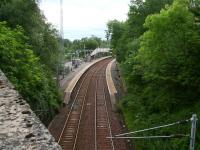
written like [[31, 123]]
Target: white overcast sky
[[83, 18]]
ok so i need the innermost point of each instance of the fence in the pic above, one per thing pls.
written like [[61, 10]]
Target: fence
[[192, 120]]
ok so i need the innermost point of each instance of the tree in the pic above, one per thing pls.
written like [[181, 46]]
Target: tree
[[86, 43], [91, 44], [42, 36], [115, 32], [158, 51], [123, 34], [163, 83], [24, 70]]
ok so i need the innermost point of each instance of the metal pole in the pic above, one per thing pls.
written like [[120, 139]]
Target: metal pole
[[61, 19], [84, 48], [193, 131], [71, 62], [62, 53]]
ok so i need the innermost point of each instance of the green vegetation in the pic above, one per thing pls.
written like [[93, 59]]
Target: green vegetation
[[42, 36], [83, 44], [158, 49], [29, 55]]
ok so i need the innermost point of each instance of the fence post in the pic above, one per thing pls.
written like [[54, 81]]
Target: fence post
[[193, 131]]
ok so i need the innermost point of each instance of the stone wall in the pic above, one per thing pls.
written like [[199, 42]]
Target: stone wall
[[20, 129]]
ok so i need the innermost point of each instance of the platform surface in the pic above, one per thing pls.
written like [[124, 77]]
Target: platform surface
[[110, 83], [75, 79]]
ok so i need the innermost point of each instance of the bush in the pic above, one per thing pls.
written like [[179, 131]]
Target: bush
[[24, 70]]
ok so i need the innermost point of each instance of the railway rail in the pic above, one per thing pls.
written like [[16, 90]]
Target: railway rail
[[68, 136], [88, 122]]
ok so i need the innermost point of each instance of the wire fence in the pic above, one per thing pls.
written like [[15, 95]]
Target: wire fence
[[192, 134]]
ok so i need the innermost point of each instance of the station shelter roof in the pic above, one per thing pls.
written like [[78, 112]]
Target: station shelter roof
[[100, 50]]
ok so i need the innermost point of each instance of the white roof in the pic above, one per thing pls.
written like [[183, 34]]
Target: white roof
[[100, 50]]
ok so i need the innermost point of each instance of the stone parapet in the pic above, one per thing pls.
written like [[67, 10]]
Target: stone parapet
[[20, 129]]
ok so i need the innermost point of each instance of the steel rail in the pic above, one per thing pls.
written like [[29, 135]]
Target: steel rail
[[71, 108], [108, 118], [80, 117], [99, 80], [95, 119], [83, 108], [98, 69]]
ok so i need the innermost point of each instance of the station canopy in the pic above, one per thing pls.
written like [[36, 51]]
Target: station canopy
[[100, 50]]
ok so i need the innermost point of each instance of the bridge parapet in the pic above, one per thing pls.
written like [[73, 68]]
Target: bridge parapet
[[19, 126]]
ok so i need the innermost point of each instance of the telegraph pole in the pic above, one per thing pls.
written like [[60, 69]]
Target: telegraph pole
[[61, 19], [62, 51]]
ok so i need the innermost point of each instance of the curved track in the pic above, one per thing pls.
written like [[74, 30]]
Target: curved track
[[88, 122]]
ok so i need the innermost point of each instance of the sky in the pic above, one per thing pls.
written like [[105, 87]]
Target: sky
[[83, 18]]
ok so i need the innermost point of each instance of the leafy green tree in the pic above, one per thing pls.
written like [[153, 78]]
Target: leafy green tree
[[163, 84], [158, 52], [115, 32], [24, 70], [138, 12], [87, 43], [67, 43], [123, 34], [169, 49], [42, 36], [91, 44]]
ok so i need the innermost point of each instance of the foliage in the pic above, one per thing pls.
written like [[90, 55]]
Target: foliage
[[30, 55], [24, 70], [158, 51], [115, 32], [42, 36], [83, 45]]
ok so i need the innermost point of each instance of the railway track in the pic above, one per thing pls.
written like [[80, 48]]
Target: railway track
[[103, 125], [68, 136], [88, 122]]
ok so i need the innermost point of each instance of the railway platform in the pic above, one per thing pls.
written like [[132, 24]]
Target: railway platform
[[71, 80], [87, 117], [110, 84]]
